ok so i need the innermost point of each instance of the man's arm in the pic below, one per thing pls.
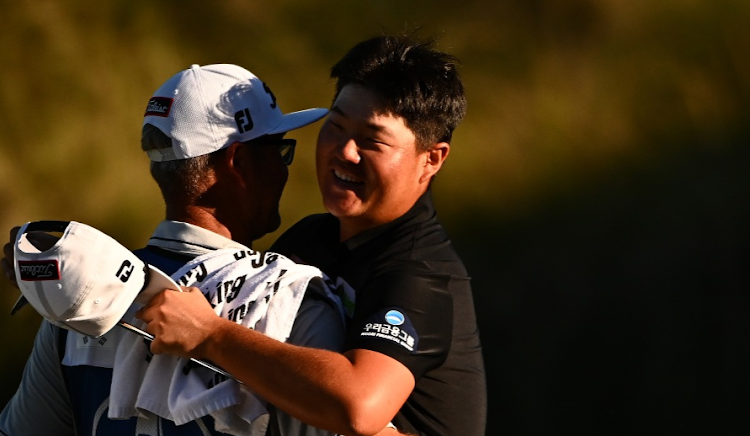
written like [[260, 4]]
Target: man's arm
[[41, 404], [355, 393], [318, 324]]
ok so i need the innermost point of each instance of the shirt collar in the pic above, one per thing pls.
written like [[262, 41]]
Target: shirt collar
[[422, 210], [189, 239]]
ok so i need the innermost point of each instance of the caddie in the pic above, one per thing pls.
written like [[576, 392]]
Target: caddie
[[215, 136]]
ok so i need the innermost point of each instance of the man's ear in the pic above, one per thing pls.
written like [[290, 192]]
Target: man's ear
[[232, 162], [434, 159]]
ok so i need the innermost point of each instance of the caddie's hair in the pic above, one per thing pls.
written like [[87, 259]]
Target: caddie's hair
[[416, 82], [177, 179]]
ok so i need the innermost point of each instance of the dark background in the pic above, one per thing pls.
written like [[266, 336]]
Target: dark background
[[598, 190]]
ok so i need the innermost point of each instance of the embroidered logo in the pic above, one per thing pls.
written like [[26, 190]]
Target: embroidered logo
[[244, 120], [273, 97], [126, 269], [36, 270], [394, 326], [394, 317], [159, 107]]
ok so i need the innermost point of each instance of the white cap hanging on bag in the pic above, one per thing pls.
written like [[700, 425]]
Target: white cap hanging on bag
[[86, 280], [206, 108]]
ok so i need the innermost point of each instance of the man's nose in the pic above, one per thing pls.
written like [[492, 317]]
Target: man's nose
[[350, 152]]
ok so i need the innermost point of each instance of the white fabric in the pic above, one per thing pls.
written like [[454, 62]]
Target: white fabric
[[188, 239], [86, 281], [206, 108], [86, 350], [262, 291]]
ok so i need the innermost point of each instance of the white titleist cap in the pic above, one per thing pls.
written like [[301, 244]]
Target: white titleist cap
[[207, 108], [86, 281]]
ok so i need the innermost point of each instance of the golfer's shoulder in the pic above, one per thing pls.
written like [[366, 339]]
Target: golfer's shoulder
[[309, 230]]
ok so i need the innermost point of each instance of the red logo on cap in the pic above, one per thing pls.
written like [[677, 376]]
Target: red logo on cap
[[36, 270], [159, 107]]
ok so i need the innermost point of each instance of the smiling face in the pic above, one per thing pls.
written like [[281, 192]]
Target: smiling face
[[369, 169]]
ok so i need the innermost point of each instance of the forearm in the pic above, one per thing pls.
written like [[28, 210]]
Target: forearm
[[354, 393], [41, 404], [315, 386]]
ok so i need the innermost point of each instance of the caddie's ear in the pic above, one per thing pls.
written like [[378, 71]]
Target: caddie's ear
[[434, 158], [233, 160], [227, 168]]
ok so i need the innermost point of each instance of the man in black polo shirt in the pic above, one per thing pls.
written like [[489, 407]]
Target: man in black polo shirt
[[387, 135], [413, 357], [414, 305]]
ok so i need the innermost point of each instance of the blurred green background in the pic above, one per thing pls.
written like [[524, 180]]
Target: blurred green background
[[598, 189]]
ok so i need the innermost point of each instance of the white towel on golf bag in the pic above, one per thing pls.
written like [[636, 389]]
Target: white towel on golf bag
[[262, 291]]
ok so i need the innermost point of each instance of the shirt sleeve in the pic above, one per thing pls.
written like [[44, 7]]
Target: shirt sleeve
[[405, 312], [41, 404], [318, 325]]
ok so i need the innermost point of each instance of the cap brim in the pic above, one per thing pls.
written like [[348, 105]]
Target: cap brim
[[20, 303], [157, 282], [295, 120]]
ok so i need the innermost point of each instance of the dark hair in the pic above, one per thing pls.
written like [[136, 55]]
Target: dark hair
[[177, 179], [416, 81]]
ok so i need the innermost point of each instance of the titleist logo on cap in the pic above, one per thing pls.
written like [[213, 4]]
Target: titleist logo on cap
[[159, 107], [39, 270]]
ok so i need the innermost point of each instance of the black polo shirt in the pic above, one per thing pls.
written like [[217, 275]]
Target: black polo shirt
[[414, 304]]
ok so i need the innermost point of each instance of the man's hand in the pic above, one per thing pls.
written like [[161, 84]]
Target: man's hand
[[180, 322], [7, 262]]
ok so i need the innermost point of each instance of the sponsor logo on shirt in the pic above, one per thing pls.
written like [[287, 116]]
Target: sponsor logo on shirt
[[394, 326], [394, 317]]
